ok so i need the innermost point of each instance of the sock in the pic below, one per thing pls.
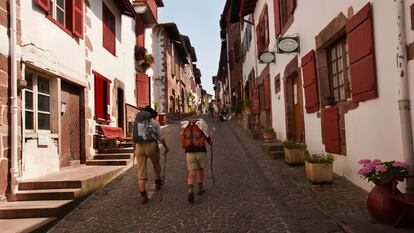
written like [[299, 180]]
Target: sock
[[143, 194]]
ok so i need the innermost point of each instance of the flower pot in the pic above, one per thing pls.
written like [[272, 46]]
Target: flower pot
[[294, 156], [319, 172], [380, 205], [268, 136], [247, 110]]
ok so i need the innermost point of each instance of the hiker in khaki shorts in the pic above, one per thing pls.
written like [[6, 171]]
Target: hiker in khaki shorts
[[147, 133], [193, 139]]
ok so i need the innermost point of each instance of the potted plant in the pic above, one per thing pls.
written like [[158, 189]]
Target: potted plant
[[329, 100], [247, 106], [268, 134], [379, 203], [319, 167], [294, 152], [140, 53]]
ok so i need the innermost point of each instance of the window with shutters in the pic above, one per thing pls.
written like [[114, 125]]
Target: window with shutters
[[102, 97], [283, 11], [339, 70], [262, 31], [109, 30], [67, 14], [37, 102]]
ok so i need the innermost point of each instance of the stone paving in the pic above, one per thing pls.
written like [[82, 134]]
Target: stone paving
[[253, 193]]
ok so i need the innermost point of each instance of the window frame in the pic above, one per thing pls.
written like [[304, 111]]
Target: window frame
[[108, 14], [344, 61], [35, 103]]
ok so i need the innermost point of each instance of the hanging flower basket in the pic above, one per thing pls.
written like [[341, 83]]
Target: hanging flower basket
[[140, 53]]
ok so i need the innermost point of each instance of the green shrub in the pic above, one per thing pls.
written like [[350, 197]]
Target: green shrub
[[319, 158], [293, 145], [269, 130]]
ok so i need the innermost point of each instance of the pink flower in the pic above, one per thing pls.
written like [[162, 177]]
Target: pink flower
[[365, 170], [400, 164], [376, 161], [364, 161], [381, 168]]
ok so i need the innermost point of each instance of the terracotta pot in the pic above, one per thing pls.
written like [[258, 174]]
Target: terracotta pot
[[380, 205], [319, 172], [268, 136], [294, 156]]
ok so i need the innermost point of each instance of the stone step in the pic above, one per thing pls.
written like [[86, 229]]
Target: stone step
[[116, 150], [46, 194], [112, 156], [277, 154], [106, 162], [35, 185], [26, 224], [272, 146], [35, 209]]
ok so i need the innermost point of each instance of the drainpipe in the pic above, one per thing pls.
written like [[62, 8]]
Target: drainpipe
[[403, 94], [14, 170]]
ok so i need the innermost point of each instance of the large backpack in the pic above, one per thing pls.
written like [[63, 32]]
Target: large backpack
[[192, 136], [143, 130]]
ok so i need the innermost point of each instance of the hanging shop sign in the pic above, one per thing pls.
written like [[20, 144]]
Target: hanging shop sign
[[267, 57], [288, 45]]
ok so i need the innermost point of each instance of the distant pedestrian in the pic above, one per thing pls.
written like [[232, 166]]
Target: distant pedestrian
[[193, 139], [146, 134]]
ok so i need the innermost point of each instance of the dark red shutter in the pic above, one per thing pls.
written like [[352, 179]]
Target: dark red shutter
[[258, 37], [108, 30], [266, 89], [99, 97], [255, 99], [331, 130], [266, 27], [44, 4], [142, 90], [362, 55], [291, 6], [108, 99], [310, 82], [231, 59], [77, 22], [276, 10], [139, 31]]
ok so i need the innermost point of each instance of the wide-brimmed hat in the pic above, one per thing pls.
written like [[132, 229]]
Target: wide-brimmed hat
[[151, 110]]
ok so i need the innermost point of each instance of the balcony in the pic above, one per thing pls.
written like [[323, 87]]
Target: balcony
[[148, 9]]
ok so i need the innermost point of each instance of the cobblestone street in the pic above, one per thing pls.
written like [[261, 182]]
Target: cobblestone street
[[253, 193]]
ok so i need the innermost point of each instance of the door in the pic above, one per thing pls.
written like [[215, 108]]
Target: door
[[142, 90], [297, 109], [71, 122], [121, 108]]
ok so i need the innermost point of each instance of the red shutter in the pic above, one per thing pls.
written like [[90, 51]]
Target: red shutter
[[139, 31], [331, 130], [266, 27], [99, 97], [362, 55], [142, 90], [258, 37], [108, 100], [44, 4], [255, 99], [231, 59], [310, 82], [291, 6], [266, 89], [77, 22], [277, 17], [108, 30]]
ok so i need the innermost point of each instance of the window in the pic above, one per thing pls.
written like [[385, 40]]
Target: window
[[262, 31], [339, 70], [109, 32], [283, 11], [67, 14], [102, 97], [37, 102]]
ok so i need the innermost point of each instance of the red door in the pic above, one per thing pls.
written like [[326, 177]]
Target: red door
[[142, 90]]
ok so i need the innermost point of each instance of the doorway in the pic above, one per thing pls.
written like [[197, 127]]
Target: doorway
[[294, 108], [121, 104], [71, 125]]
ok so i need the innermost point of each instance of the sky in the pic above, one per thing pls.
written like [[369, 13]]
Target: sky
[[199, 20]]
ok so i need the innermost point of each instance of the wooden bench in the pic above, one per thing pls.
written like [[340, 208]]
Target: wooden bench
[[405, 200], [113, 137]]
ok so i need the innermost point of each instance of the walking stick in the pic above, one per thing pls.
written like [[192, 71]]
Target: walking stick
[[211, 165], [163, 176]]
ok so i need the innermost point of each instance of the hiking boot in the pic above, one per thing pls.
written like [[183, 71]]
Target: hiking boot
[[144, 197], [158, 184], [191, 197], [201, 190]]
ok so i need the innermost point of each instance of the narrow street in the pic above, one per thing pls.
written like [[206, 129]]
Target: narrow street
[[243, 200]]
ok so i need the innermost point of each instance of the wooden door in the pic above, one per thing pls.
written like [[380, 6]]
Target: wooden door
[[297, 110], [71, 122], [121, 108]]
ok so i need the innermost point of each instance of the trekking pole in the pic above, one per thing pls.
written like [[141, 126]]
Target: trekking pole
[[211, 165], [163, 176]]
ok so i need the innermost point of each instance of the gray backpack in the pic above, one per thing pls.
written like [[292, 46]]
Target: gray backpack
[[143, 130]]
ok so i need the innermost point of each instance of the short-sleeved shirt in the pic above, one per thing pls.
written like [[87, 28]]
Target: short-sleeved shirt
[[156, 125]]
